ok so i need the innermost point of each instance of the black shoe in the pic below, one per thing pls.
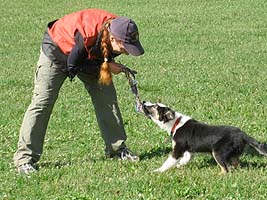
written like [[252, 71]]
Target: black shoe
[[26, 169], [124, 154]]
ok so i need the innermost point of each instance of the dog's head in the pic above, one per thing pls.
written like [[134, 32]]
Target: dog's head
[[158, 112]]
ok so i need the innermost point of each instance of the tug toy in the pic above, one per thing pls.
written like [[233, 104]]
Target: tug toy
[[130, 75]]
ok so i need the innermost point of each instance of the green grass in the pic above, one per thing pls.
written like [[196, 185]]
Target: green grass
[[205, 58]]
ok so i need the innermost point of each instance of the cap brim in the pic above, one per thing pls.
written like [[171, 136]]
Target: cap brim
[[134, 49]]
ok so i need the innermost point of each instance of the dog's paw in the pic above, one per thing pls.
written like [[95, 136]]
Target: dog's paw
[[157, 170], [179, 166]]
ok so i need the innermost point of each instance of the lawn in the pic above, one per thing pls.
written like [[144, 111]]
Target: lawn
[[205, 58]]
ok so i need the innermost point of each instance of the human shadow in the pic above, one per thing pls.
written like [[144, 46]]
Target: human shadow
[[62, 163], [54, 164]]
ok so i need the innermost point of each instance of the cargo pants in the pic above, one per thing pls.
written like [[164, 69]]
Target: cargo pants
[[48, 81]]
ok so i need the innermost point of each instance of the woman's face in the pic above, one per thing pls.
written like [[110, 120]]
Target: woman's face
[[117, 46]]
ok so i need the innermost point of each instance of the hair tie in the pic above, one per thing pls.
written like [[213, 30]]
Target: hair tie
[[107, 25], [105, 59]]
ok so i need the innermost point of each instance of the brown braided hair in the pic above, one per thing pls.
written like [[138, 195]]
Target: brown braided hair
[[105, 76]]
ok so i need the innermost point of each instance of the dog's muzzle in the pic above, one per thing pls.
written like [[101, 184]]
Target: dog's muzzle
[[146, 109]]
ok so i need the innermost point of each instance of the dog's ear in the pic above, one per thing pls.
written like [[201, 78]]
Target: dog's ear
[[165, 114], [170, 114]]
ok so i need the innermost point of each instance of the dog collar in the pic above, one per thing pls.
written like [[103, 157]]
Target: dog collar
[[175, 125]]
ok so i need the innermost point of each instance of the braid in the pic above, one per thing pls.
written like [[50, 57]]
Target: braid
[[105, 73]]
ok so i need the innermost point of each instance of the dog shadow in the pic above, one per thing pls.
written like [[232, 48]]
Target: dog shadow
[[155, 152], [244, 163], [249, 159]]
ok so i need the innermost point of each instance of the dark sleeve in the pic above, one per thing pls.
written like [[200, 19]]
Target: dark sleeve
[[78, 52], [76, 56]]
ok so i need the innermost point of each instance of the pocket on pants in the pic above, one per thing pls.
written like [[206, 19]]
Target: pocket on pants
[[40, 66]]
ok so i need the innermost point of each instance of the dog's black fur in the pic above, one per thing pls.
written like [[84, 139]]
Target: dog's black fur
[[226, 143]]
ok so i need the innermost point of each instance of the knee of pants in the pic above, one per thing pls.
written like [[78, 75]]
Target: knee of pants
[[44, 99]]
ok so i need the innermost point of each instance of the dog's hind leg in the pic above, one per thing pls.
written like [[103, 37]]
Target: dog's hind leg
[[185, 159], [220, 161], [235, 162]]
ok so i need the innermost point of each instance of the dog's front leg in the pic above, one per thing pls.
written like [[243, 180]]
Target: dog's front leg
[[185, 159], [169, 163]]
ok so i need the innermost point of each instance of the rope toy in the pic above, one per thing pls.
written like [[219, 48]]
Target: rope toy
[[130, 75]]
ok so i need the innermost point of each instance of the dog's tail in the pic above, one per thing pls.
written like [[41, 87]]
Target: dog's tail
[[260, 147]]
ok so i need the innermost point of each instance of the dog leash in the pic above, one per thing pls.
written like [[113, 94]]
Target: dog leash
[[130, 75]]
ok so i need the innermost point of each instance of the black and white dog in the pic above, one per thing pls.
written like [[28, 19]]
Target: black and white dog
[[226, 143]]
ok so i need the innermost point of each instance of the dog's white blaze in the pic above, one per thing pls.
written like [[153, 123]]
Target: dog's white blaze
[[161, 105], [149, 104]]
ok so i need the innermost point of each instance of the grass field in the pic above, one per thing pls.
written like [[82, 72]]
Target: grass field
[[205, 58]]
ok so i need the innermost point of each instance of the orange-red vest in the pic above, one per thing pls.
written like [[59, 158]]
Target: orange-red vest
[[88, 22]]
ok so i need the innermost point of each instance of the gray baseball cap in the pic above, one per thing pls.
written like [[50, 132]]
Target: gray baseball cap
[[125, 29]]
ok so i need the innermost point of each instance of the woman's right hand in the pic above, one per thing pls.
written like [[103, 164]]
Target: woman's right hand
[[115, 68]]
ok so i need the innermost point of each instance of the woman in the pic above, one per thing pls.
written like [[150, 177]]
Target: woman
[[82, 44]]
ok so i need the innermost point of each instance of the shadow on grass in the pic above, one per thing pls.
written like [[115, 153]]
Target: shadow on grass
[[250, 159], [155, 152], [62, 163]]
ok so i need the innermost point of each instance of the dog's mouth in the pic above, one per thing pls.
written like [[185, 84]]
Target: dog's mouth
[[146, 112], [147, 108]]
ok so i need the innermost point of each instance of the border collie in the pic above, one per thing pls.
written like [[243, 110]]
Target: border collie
[[226, 143]]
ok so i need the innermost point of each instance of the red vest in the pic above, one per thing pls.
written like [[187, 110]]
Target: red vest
[[88, 22]]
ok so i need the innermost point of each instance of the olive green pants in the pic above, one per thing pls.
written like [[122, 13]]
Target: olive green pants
[[48, 81]]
